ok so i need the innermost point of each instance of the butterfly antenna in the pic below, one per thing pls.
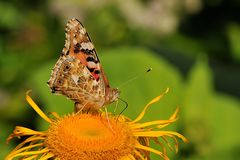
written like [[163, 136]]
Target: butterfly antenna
[[135, 77], [126, 106]]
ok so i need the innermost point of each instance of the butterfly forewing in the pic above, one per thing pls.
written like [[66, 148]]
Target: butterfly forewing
[[78, 73]]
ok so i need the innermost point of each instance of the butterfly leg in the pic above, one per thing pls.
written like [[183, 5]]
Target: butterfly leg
[[116, 106], [84, 108], [109, 124], [78, 107]]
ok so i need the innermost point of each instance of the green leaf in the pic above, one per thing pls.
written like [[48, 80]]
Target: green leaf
[[222, 116], [234, 37], [209, 118]]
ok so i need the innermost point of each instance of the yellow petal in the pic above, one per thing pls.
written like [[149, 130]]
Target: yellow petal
[[151, 150], [158, 122], [140, 116], [36, 108], [160, 133], [10, 157]]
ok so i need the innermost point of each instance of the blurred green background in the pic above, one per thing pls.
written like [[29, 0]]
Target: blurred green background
[[193, 47]]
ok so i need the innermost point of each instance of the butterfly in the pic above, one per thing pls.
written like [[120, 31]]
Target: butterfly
[[78, 73]]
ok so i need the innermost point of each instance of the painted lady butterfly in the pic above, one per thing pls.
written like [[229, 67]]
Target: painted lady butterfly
[[78, 73]]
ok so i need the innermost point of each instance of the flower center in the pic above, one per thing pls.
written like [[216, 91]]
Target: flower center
[[86, 136], [86, 128]]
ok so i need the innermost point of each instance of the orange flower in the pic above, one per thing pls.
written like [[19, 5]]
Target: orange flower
[[86, 136]]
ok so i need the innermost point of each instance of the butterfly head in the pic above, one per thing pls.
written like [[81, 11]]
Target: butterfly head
[[112, 95]]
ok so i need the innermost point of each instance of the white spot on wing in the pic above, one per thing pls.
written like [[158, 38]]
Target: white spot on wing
[[75, 79], [74, 41], [91, 64], [87, 45], [95, 83], [85, 73]]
